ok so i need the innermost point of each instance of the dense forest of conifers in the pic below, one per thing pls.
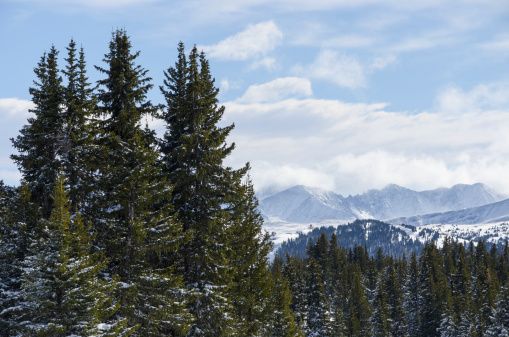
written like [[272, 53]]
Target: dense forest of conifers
[[115, 232], [451, 291]]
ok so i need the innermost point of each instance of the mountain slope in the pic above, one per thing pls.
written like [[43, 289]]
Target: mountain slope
[[304, 204], [494, 212]]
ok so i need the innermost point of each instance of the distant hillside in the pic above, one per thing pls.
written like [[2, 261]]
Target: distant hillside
[[305, 204], [495, 212], [395, 239]]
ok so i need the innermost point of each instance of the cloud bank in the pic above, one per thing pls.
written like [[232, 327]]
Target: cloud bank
[[256, 40], [351, 148]]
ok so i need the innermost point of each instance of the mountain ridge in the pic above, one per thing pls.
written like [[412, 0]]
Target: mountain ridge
[[306, 204]]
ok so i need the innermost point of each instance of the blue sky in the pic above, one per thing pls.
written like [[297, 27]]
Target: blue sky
[[343, 95]]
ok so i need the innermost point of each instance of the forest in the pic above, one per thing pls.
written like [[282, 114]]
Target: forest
[[114, 231]]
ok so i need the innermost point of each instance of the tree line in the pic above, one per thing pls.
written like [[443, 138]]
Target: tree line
[[115, 232], [455, 290]]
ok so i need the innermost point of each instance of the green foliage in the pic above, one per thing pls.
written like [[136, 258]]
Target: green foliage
[[38, 143], [62, 292], [134, 224]]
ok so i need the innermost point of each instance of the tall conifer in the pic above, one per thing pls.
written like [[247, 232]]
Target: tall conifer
[[133, 221], [62, 293], [228, 251], [38, 144]]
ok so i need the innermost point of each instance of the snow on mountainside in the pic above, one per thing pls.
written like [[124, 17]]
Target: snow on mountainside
[[372, 234], [494, 212], [301, 204]]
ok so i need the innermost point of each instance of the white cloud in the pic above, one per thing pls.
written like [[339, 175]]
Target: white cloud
[[268, 62], [382, 62], [329, 110], [353, 147], [343, 70], [255, 40], [13, 115], [13, 108], [225, 85], [276, 90], [483, 96], [500, 44], [279, 177]]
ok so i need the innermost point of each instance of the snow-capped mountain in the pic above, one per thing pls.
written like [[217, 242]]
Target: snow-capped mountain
[[304, 204], [494, 212]]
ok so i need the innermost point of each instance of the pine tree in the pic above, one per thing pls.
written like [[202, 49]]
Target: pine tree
[[78, 129], [499, 325], [133, 221], [318, 316], [62, 293], [281, 321], [397, 315], [381, 320], [434, 293], [250, 291], [207, 197], [17, 228], [411, 296], [485, 288], [360, 311], [293, 271], [38, 144]]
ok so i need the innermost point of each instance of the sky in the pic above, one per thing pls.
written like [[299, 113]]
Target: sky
[[337, 94]]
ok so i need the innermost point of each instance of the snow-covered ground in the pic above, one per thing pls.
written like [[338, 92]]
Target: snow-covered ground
[[496, 232]]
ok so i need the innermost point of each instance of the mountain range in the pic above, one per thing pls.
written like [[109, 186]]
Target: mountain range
[[459, 204]]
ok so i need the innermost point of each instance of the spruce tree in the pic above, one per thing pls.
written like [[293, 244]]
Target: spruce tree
[[499, 325], [250, 291], [211, 203], [78, 130], [17, 229], [381, 318], [397, 316], [411, 296], [133, 218], [485, 288], [62, 293], [318, 315], [360, 311], [38, 144], [293, 271], [281, 320], [435, 297]]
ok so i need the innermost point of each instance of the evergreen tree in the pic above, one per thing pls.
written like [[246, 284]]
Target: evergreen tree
[[360, 311], [62, 293], [17, 228], [435, 296], [485, 288], [293, 271], [133, 221], [499, 325], [251, 287], [78, 130], [281, 321], [411, 296], [380, 319], [318, 316], [38, 144], [210, 202], [397, 315]]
